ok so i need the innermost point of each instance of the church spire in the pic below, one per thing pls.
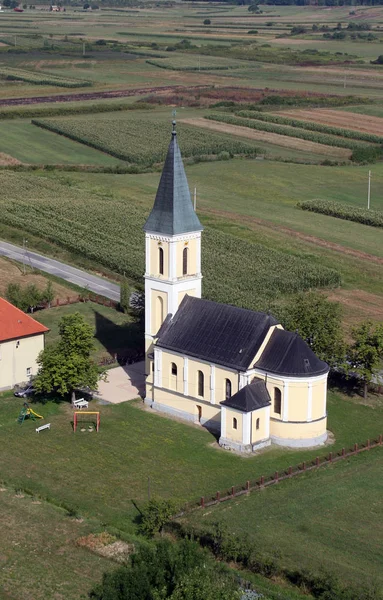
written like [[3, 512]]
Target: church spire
[[173, 212]]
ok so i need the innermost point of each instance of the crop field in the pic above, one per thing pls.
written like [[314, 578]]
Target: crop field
[[40, 78], [265, 274], [141, 141], [279, 140], [190, 62], [320, 535], [338, 118]]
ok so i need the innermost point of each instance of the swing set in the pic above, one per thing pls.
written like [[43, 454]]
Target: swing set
[[84, 412]]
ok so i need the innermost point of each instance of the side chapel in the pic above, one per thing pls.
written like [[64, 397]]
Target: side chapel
[[235, 371]]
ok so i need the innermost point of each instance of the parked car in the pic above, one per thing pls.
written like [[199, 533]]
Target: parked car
[[29, 390]]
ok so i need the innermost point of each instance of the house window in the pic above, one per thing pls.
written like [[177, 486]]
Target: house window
[[153, 365], [227, 389], [185, 262], [174, 369], [161, 260], [17, 343], [200, 384], [29, 371], [277, 401], [235, 424], [257, 424]]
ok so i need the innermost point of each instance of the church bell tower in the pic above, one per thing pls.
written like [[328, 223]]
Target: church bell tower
[[173, 247]]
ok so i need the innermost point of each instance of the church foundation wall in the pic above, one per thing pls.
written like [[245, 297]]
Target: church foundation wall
[[298, 435]]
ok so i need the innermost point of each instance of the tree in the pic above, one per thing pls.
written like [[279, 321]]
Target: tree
[[254, 8], [366, 352], [67, 365], [86, 6], [124, 295], [207, 22], [155, 515], [48, 294], [26, 299], [319, 322]]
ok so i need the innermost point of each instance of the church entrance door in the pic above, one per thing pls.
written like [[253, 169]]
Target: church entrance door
[[199, 413]]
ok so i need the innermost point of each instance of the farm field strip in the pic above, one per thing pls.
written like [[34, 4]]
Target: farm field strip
[[347, 120], [13, 74], [271, 138]]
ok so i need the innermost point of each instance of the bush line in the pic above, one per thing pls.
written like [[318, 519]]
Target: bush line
[[61, 111], [196, 68], [344, 211]]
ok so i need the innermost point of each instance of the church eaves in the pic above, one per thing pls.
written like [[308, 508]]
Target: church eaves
[[173, 212]]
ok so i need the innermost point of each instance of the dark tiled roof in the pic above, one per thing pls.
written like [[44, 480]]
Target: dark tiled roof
[[287, 354], [251, 397], [218, 333], [173, 212]]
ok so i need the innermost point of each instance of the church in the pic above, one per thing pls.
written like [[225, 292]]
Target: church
[[235, 371]]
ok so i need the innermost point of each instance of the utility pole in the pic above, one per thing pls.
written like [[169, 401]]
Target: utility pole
[[195, 199], [369, 190]]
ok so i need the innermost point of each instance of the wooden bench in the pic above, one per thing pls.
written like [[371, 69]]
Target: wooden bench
[[80, 403], [42, 427]]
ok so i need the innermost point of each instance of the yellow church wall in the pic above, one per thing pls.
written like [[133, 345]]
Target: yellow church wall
[[181, 295], [191, 245], [170, 381], [298, 401], [262, 433], [297, 431], [193, 368], [159, 303], [155, 260], [232, 433], [209, 412], [221, 375], [318, 399]]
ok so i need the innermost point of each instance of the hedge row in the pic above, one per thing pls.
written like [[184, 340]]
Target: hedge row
[[344, 211], [79, 109], [303, 134], [346, 133], [196, 68]]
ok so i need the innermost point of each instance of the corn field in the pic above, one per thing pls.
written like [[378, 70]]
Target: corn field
[[13, 74], [347, 212]]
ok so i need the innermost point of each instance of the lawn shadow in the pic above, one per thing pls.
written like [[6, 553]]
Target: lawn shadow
[[126, 341]]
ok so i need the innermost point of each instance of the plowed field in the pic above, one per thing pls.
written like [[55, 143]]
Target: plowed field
[[338, 118], [271, 138]]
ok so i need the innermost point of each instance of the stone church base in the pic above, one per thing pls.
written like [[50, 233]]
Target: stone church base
[[245, 448], [300, 443]]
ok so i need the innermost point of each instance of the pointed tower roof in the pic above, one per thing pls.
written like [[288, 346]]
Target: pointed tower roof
[[173, 212]]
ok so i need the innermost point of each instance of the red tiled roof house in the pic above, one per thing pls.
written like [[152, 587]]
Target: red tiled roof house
[[21, 341]]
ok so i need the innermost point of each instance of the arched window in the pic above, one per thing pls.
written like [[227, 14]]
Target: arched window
[[257, 424], [161, 260], [277, 401], [227, 389], [185, 262], [235, 424], [200, 384], [174, 369], [159, 315]]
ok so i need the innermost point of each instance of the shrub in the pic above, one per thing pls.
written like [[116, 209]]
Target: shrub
[[344, 211], [207, 22]]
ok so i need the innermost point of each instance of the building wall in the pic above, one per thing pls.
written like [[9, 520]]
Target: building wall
[[263, 433], [232, 433], [159, 303], [16, 357], [299, 434], [187, 408]]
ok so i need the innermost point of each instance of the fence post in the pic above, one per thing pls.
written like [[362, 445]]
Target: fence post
[[203, 502], [247, 486], [368, 444], [330, 457], [217, 496], [343, 452], [304, 466], [290, 471], [232, 492], [355, 448], [276, 477], [57, 302], [262, 481], [317, 461]]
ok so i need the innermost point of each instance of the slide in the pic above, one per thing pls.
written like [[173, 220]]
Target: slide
[[36, 415]]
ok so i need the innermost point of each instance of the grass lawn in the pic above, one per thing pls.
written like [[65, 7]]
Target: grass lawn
[[330, 518], [113, 331], [31, 144], [39, 558], [100, 475]]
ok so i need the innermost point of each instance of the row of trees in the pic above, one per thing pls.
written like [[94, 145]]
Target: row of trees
[[28, 298]]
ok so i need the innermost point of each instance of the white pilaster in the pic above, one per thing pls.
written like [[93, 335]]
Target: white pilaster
[[223, 421], [212, 384], [285, 402], [267, 424], [147, 254], [243, 381], [186, 376], [172, 261], [198, 255], [246, 428], [310, 402], [158, 367]]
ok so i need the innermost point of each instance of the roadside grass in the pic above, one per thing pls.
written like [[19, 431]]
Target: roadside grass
[[100, 475], [39, 556], [328, 519], [34, 145], [114, 331]]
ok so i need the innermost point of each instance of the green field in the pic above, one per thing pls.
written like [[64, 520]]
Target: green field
[[329, 519], [114, 332], [100, 475], [33, 145]]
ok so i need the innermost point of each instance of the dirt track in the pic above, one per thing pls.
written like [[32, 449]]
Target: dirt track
[[344, 119], [271, 138]]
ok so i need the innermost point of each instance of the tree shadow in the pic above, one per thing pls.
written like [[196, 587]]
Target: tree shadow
[[125, 341]]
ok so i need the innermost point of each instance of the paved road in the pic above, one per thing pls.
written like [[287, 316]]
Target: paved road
[[95, 284]]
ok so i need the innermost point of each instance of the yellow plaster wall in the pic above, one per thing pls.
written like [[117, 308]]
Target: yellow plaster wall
[[231, 433], [181, 295], [318, 394], [221, 375], [297, 431], [155, 260], [298, 401], [156, 317], [193, 367], [261, 433], [210, 412], [14, 360], [169, 381], [192, 257]]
